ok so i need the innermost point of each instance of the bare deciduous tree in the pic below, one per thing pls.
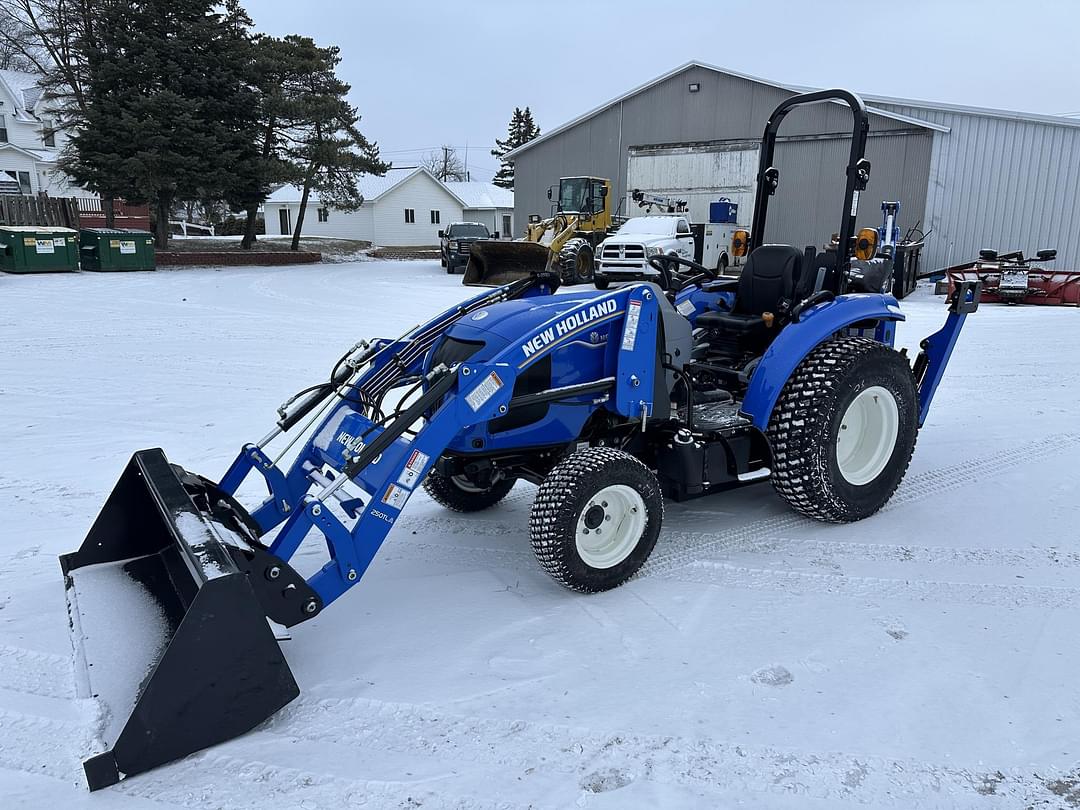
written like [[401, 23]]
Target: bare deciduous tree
[[445, 164]]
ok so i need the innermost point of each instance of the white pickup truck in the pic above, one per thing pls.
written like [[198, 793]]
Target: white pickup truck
[[625, 255]]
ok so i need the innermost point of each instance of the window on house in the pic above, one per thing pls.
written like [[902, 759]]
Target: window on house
[[3, 129], [506, 226], [24, 183], [410, 215], [434, 217], [324, 215], [48, 134]]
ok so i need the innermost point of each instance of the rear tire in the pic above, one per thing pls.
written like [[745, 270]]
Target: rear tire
[[844, 430], [457, 494], [576, 262], [595, 519]]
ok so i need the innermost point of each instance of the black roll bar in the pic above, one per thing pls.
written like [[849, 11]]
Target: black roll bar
[[858, 168]]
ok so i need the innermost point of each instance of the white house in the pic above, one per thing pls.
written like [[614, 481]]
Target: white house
[[405, 207], [29, 143], [487, 204]]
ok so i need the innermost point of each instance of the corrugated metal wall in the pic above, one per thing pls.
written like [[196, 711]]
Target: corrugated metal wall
[[726, 109], [1000, 183], [900, 164]]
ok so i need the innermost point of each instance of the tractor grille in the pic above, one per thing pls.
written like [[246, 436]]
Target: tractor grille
[[624, 252]]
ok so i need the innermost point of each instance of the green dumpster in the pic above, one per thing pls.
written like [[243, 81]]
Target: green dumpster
[[116, 249], [38, 249]]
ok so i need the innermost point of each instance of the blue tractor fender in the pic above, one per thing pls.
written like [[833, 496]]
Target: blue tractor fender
[[801, 337]]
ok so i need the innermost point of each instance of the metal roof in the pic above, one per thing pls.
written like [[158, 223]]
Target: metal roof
[[868, 97], [963, 109]]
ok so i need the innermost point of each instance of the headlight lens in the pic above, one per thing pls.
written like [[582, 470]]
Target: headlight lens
[[453, 246], [653, 251]]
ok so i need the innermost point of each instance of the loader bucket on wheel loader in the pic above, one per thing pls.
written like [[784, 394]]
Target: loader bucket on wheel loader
[[168, 606], [493, 263]]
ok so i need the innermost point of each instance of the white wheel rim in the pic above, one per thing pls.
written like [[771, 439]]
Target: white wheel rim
[[610, 526], [867, 435]]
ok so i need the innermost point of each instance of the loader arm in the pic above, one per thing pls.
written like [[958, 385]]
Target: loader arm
[[564, 235], [176, 557]]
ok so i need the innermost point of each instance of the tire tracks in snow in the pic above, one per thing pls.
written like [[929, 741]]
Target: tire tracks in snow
[[725, 575], [693, 762], [44, 747], [679, 550], [53, 748], [35, 672], [218, 781], [39, 745], [913, 489]]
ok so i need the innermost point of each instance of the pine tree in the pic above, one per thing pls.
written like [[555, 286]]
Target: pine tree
[[521, 130], [329, 150], [170, 109], [281, 68]]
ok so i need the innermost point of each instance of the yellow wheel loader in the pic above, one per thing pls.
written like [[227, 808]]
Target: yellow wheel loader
[[564, 243]]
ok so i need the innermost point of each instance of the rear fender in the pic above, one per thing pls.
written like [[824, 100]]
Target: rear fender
[[800, 338]]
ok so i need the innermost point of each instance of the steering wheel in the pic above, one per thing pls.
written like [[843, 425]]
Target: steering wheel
[[663, 262]]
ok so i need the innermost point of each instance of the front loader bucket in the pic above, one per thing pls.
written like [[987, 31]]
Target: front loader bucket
[[168, 630], [493, 263]]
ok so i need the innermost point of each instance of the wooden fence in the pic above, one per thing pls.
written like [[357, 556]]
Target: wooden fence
[[125, 214], [22, 209]]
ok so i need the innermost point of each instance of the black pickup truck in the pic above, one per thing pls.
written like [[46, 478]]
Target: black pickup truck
[[455, 241]]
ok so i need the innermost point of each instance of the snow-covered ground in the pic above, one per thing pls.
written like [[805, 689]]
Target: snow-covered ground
[[926, 657]]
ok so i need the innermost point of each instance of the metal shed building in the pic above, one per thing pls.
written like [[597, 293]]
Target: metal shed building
[[972, 178]]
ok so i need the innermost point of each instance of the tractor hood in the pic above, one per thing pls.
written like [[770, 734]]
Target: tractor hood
[[500, 324]]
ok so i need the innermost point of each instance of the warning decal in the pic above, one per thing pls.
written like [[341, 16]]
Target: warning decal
[[413, 467], [633, 315], [127, 246], [395, 497], [686, 307], [484, 391]]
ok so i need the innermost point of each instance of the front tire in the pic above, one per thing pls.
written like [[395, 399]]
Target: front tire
[[601, 282], [595, 519], [456, 493], [844, 430], [576, 262]]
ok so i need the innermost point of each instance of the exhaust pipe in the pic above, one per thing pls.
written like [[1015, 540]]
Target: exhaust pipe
[[168, 608]]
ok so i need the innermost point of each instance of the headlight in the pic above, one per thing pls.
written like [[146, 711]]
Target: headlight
[[453, 246], [653, 251]]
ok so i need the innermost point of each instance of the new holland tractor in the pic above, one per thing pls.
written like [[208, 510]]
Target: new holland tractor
[[563, 244], [607, 401]]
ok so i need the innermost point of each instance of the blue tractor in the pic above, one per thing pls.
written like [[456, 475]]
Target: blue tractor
[[607, 401]]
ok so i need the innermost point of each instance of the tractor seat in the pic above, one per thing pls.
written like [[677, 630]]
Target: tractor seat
[[767, 284]]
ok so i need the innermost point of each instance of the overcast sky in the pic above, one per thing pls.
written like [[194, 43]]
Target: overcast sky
[[425, 74]]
